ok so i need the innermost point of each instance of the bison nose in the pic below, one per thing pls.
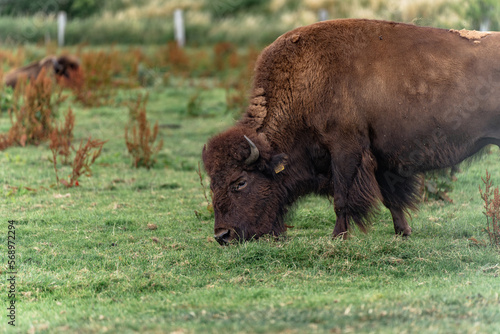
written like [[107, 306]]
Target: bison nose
[[223, 236]]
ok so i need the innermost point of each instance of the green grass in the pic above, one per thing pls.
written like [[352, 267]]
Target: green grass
[[87, 261]]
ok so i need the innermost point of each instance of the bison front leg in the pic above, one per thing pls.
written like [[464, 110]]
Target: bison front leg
[[401, 226], [356, 191], [341, 224], [399, 194]]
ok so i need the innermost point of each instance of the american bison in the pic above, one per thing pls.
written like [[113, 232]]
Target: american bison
[[60, 66], [355, 110]]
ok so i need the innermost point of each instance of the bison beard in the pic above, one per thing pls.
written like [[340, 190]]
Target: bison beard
[[354, 110]]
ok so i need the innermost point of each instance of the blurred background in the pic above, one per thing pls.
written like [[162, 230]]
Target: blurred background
[[241, 22]]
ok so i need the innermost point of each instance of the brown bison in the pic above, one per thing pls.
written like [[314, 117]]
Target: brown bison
[[355, 110], [60, 66]]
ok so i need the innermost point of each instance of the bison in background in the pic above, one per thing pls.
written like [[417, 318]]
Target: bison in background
[[61, 66], [353, 109]]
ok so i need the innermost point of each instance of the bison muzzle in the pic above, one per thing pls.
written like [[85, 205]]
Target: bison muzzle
[[354, 110]]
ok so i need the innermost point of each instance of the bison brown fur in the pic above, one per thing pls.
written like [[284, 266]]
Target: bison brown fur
[[354, 110]]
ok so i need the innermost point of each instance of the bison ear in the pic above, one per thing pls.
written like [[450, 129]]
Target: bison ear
[[203, 153], [278, 163]]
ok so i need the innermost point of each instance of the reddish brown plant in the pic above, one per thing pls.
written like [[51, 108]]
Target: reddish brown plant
[[93, 86], [141, 142], [33, 119], [85, 156], [491, 198], [222, 52], [60, 140]]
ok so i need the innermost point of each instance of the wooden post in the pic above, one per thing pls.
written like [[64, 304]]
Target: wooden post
[[180, 35], [61, 26]]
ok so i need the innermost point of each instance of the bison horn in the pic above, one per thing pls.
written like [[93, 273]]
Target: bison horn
[[254, 152], [57, 66]]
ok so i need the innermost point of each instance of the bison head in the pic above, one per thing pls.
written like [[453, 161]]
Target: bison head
[[64, 65], [246, 180]]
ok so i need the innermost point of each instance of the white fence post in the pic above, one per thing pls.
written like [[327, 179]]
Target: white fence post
[[61, 26], [180, 35], [322, 14], [485, 24]]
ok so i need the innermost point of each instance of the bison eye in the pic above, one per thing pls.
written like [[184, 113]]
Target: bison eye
[[239, 185]]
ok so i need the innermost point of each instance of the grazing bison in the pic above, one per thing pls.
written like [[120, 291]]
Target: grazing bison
[[355, 110], [60, 66]]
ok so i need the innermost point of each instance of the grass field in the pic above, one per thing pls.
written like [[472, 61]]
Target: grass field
[[131, 250]]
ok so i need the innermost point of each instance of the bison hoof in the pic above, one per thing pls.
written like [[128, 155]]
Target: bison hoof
[[404, 232]]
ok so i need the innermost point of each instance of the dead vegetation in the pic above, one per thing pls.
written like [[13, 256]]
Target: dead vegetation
[[32, 112], [93, 86], [491, 198], [139, 137], [60, 141], [85, 156]]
